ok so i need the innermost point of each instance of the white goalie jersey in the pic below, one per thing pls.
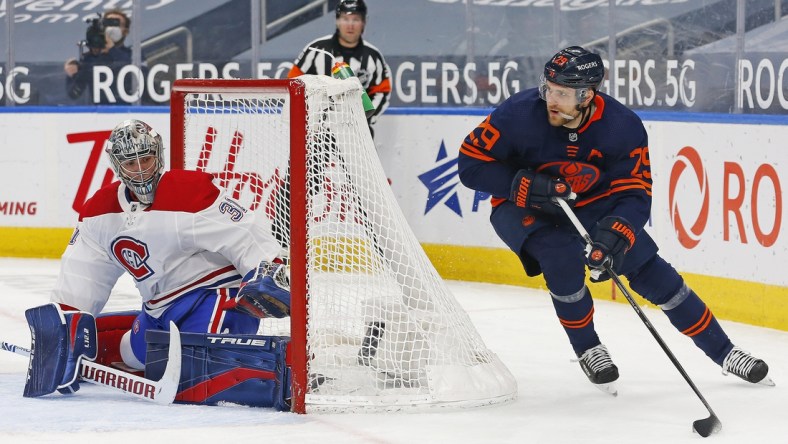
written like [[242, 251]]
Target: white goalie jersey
[[192, 236]]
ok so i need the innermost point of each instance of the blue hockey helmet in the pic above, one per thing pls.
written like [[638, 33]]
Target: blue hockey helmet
[[576, 68]]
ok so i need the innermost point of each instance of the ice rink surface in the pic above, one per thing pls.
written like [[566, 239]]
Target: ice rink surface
[[556, 403]]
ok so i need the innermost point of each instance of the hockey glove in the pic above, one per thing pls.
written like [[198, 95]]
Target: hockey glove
[[265, 292], [538, 191], [62, 337], [612, 239]]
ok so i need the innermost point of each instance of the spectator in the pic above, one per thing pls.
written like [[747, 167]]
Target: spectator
[[105, 47]]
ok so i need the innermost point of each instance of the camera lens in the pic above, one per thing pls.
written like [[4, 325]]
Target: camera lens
[[94, 36]]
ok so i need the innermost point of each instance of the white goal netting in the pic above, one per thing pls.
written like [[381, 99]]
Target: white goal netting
[[383, 331]]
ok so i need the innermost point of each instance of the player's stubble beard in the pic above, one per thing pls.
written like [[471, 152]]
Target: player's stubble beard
[[570, 119], [561, 117]]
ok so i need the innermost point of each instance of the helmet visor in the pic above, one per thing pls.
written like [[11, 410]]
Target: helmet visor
[[561, 95]]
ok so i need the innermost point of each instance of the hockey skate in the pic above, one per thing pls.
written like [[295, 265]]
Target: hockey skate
[[369, 345], [599, 368], [747, 367]]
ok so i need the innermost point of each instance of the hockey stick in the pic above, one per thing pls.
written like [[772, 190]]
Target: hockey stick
[[704, 427], [162, 391], [14, 348]]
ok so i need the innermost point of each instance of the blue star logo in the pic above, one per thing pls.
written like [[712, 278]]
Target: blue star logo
[[441, 182]]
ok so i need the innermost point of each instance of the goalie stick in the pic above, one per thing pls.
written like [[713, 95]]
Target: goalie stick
[[162, 391], [704, 427], [14, 348]]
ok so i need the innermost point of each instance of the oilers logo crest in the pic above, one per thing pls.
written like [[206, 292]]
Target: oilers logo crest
[[581, 176]]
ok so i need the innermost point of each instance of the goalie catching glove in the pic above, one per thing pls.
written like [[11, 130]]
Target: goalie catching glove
[[265, 292], [539, 191], [612, 239]]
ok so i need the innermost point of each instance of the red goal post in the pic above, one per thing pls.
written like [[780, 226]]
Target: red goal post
[[373, 326], [295, 91]]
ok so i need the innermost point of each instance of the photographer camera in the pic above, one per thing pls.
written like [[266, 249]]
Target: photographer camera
[[104, 40]]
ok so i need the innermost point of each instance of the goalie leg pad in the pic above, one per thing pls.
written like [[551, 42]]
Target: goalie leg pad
[[240, 369], [61, 338], [111, 327]]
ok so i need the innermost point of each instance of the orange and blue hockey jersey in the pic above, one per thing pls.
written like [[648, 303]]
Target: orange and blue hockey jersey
[[606, 161]]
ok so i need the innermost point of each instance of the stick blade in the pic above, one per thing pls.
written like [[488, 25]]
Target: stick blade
[[705, 427], [168, 384]]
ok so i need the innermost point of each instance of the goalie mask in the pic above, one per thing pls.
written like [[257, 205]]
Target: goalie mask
[[136, 153]]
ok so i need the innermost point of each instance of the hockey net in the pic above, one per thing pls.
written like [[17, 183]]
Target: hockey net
[[373, 325]]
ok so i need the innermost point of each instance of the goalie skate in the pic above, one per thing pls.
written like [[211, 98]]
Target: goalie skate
[[747, 367], [599, 369]]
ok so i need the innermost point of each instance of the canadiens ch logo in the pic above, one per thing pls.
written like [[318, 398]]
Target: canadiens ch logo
[[132, 254]]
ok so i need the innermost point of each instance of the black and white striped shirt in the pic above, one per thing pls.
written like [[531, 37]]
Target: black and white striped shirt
[[365, 60]]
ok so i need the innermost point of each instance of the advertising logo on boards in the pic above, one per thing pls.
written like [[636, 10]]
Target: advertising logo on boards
[[688, 157], [98, 138], [441, 182], [760, 215]]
